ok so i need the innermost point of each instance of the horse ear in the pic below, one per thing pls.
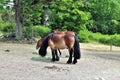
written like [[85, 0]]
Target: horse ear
[[37, 46]]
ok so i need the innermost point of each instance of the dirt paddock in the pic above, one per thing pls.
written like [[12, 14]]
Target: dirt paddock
[[20, 62]]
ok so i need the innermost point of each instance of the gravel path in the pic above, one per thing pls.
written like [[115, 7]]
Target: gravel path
[[19, 62]]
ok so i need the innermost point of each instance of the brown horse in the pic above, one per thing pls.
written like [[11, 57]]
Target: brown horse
[[61, 41], [39, 43], [54, 31]]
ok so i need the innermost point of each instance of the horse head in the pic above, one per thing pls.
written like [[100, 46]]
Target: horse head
[[39, 43], [44, 45]]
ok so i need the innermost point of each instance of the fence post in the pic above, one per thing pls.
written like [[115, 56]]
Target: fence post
[[110, 44]]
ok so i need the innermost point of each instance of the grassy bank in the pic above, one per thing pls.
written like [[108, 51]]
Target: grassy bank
[[87, 37]]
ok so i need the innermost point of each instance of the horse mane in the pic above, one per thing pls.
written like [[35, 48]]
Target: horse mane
[[44, 45]]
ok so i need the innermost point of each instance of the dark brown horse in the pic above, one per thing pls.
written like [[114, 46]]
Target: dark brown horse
[[61, 41], [54, 31], [39, 43]]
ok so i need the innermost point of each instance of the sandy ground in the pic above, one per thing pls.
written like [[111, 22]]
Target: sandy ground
[[20, 62]]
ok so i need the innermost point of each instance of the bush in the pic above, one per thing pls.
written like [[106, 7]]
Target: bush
[[115, 39], [1, 33], [7, 27], [104, 39], [40, 31], [87, 36], [84, 36], [35, 31], [27, 32]]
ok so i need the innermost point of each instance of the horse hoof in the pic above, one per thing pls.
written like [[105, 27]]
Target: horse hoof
[[52, 60], [68, 62], [74, 62], [56, 59]]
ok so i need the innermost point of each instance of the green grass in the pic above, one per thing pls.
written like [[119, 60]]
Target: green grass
[[87, 37]]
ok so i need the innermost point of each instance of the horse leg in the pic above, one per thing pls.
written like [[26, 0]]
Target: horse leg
[[74, 61], [56, 56], [70, 56], [53, 55], [59, 52]]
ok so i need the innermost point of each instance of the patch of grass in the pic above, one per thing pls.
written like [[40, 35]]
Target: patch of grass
[[35, 53], [43, 59], [1, 33], [86, 36]]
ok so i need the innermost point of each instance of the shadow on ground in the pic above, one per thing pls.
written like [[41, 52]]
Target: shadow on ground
[[48, 60], [42, 59]]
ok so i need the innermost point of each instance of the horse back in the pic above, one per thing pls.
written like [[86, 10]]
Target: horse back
[[64, 32], [61, 41], [70, 33]]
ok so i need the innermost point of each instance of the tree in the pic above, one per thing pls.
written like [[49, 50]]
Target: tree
[[17, 7], [68, 15], [104, 12]]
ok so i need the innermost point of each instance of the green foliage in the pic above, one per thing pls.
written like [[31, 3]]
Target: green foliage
[[7, 22], [1, 7], [68, 15], [8, 16], [31, 15], [103, 13], [27, 32], [7, 27], [87, 36], [95, 15], [35, 31], [41, 30], [80, 16], [115, 39], [1, 33], [83, 36], [18, 38]]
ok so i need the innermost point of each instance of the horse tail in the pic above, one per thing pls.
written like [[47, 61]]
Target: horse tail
[[77, 53], [44, 45]]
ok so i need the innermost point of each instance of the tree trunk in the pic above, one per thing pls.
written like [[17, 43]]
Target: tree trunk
[[17, 6]]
